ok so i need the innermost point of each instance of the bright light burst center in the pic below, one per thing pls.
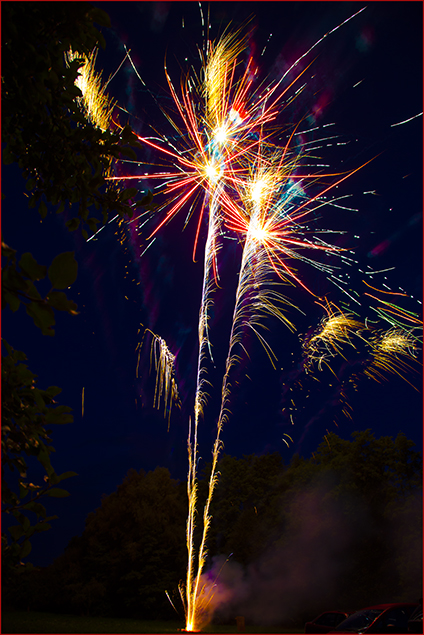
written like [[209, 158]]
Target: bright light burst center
[[258, 233], [221, 135], [212, 172], [226, 129]]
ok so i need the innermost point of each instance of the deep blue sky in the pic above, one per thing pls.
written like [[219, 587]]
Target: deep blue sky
[[370, 74]]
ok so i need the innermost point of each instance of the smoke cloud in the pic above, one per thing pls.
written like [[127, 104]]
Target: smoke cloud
[[305, 569]]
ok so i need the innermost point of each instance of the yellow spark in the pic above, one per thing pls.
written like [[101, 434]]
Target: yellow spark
[[165, 387], [95, 102], [392, 351], [220, 66], [336, 330], [398, 342]]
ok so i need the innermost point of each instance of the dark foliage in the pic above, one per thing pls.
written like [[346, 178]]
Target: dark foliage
[[132, 551], [64, 160], [27, 414], [342, 529]]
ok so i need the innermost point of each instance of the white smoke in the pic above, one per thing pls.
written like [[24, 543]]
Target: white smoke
[[305, 567], [299, 571]]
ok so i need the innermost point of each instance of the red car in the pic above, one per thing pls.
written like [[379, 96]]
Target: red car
[[326, 622], [382, 618]]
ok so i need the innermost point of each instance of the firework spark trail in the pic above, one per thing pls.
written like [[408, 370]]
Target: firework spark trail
[[190, 593], [225, 122], [368, 350], [94, 102], [165, 385], [215, 142], [335, 331], [395, 314], [392, 353], [270, 196], [250, 278], [229, 129]]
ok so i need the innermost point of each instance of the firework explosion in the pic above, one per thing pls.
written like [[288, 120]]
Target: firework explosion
[[226, 166]]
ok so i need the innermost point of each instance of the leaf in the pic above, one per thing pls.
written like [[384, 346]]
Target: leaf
[[129, 136], [26, 549], [12, 279], [8, 252], [43, 457], [12, 300], [42, 209], [99, 16], [43, 316], [23, 491], [62, 409], [31, 268], [8, 156], [126, 151], [63, 270], [16, 531], [96, 182], [52, 391], [59, 301], [59, 416], [74, 90], [32, 202], [25, 523], [127, 133], [19, 516], [128, 193], [31, 291], [39, 399], [101, 40], [42, 527], [62, 477], [57, 492], [92, 223], [147, 199], [72, 224]]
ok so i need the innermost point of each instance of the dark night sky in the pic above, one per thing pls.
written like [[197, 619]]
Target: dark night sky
[[116, 291]]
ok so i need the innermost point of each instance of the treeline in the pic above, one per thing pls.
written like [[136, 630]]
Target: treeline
[[341, 529]]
